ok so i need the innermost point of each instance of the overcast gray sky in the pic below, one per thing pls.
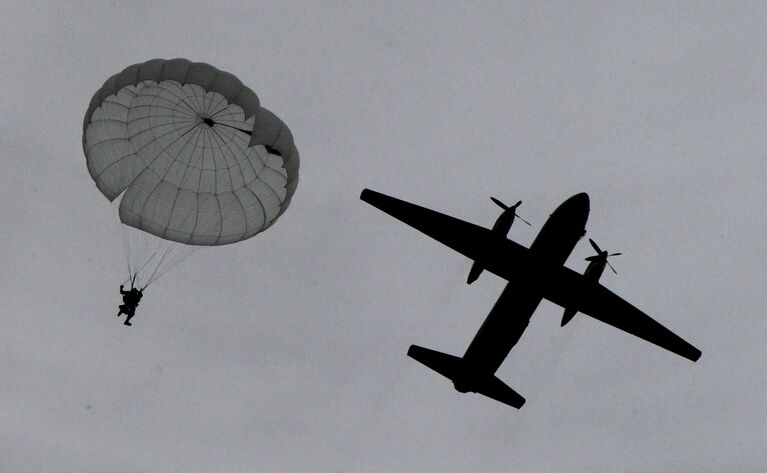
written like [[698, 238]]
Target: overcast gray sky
[[286, 353]]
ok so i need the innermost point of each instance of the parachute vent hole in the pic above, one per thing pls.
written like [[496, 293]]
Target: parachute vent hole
[[208, 121]]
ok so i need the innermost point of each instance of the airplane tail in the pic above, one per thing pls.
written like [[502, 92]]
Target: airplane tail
[[476, 270], [568, 316], [464, 377]]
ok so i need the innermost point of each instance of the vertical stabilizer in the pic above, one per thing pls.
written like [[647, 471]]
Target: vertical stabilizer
[[476, 270]]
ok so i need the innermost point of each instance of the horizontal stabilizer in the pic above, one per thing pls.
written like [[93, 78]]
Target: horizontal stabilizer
[[494, 388], [466, 379], [448, 366]]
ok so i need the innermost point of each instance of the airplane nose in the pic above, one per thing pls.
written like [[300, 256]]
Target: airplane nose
[[577, 208], [576, 204], [580, 200], [579, 203]]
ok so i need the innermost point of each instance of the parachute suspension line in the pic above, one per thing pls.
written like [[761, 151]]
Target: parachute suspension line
[[139, 247], [179, 254], [135, 275], [150, 254], [149, 281], [124, 238], [174, 252], [133, 255]]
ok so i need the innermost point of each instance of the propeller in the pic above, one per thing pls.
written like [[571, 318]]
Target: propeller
[[602, 255], [513, 208]]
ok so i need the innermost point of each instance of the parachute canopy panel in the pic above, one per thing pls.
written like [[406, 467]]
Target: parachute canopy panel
[[194, 156]]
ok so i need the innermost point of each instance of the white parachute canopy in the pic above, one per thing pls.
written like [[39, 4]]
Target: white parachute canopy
[[189, 158]]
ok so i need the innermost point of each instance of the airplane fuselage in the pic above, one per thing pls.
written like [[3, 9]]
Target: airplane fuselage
[[511, 313]]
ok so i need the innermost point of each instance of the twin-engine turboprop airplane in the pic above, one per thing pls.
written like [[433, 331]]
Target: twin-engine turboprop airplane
[[534, 274]]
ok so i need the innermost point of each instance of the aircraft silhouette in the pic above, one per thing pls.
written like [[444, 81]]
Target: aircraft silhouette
[[534, 274]]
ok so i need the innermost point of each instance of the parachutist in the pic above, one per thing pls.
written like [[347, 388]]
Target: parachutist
[[131, 299]]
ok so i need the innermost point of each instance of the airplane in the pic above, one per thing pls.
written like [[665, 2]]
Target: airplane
[[534, 274]]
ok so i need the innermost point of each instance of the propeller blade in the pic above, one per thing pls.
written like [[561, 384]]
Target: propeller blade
[[595, 246], [499, 203], [592, 258], [528, 223], [517, 204], [615, 254], [611, 267]]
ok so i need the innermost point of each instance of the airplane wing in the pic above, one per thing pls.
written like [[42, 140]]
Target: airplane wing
[[595, 300], [472, 241]]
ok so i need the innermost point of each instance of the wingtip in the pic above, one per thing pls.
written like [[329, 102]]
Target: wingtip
[[696, 356], [413, 350]]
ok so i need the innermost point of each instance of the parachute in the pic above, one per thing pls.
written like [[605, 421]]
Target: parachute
[[189, 158]]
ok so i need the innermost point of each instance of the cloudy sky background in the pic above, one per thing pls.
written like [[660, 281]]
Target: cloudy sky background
[[287, 352]]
